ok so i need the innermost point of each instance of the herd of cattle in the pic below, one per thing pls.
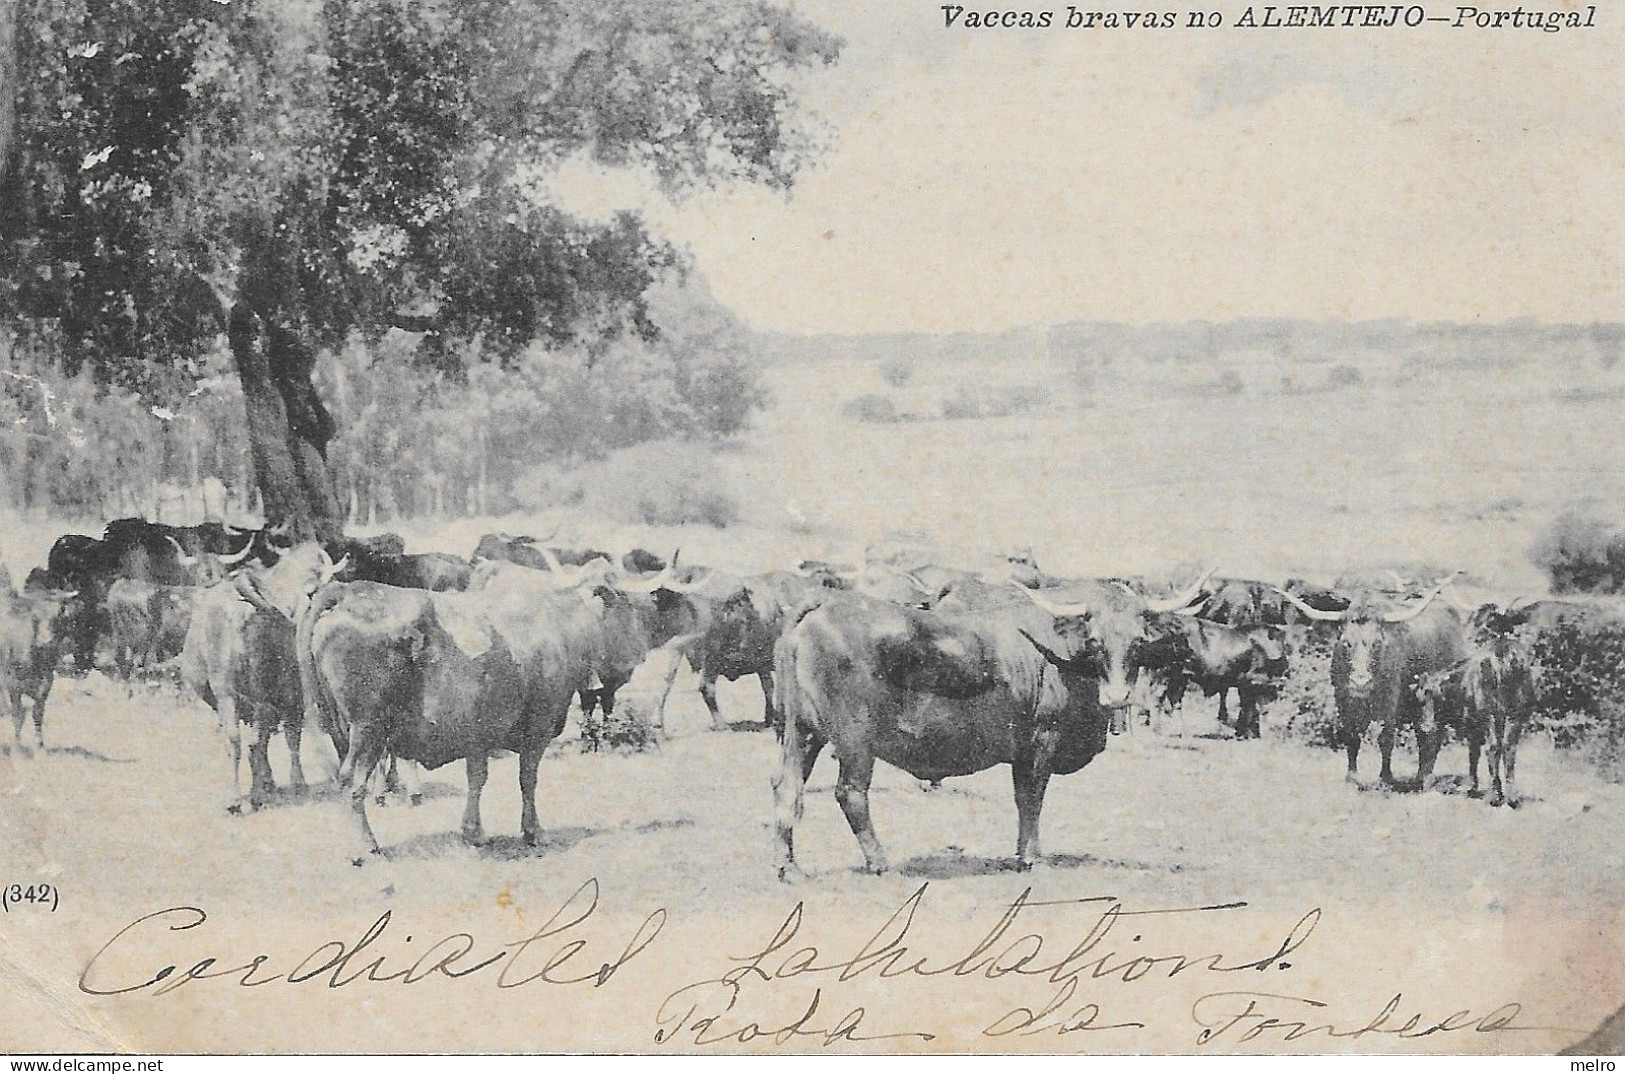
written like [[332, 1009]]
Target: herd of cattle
[[407, 660]]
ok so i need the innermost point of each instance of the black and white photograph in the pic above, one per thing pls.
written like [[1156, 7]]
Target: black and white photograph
[[790, 527]]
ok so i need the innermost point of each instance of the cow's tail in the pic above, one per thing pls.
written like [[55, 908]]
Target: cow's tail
[[321, 710]]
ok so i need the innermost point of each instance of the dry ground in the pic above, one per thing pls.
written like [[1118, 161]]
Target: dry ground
[[1434, 897]]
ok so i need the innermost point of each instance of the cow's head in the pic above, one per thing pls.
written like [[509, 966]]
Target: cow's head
[[1101, 637], [1366, 623]]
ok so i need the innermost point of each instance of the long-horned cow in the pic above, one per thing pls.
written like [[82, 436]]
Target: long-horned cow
[[1383, 650], [435, 677], [239, 658], [1030, 684]]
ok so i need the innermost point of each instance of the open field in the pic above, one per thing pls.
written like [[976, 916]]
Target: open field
[[1434, 896]]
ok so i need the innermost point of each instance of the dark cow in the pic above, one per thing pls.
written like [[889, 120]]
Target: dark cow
[[436, 571], [239, 658], [742, 621], [147, 622], [938, 695], [433, 677], [141, 551], [30, 647], [1383, 649], [642, 561], [529, 552], [1493, 689], [1216, 659]]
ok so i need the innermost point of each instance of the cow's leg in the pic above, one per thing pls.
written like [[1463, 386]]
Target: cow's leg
[[1031, 781], [1353, 733], [1428, 741], [226, 711], [14, 696], [39, 714], [293, 730], [362, 756], [799, 749], [770, 714], [589, 705], [708, 694], [1385, 743], [411, 777], [1224, 708], [852, 791], [259, 765], [665, 689], [1509, 760], [479, 767], [1475, 746], [530, 826]]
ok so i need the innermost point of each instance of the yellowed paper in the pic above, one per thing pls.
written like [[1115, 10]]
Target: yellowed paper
[[1227, 200]]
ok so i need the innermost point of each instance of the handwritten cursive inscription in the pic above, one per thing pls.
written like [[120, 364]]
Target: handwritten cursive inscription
[[553, 954], [1243, 1017]]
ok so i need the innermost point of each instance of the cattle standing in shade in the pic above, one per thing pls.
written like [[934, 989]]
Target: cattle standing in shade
[[1383, 649], [1031, 686], [239, 659]]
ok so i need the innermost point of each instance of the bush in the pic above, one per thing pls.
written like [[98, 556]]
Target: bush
[[1343, 376], [1305, 711], [629, 729], [876, 409], [972, 402], [658, 484], [897, 370], [1580, 693], [1581, 554]]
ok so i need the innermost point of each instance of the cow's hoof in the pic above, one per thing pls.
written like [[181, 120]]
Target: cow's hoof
[[474, 837], [1021, 865], [1474, 792], [875, 868], [416, 799], [531, 838], [791, 873], [235, 809], [380, 800]]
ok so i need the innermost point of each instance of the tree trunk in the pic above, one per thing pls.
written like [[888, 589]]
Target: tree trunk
[[288, 428]]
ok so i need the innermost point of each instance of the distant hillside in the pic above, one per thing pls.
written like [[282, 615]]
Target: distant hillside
[[1284, 341]]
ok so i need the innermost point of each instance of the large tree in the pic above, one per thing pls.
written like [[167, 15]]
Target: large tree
[[290, 172]]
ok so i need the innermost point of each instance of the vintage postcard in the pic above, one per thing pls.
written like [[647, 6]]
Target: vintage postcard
[[720, 526]]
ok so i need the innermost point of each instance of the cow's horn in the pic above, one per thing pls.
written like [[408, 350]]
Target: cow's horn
[[1057, 610], [567, 579], [1404, 615], [180, 553], [237, 557], [662, 580], [331, 570], [1312, 612], [1181, 600]]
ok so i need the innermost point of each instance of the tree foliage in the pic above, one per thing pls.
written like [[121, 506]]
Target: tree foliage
[[340, 167]]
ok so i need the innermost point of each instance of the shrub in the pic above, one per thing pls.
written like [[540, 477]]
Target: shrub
[[972, 402], [1343, 376], [1304, 711], [629, 729], [897, 370], [871, 408], [658, 484], [1580, 696], [1581, 554]]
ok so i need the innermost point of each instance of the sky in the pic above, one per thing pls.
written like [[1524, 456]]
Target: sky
[[982, 180]]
